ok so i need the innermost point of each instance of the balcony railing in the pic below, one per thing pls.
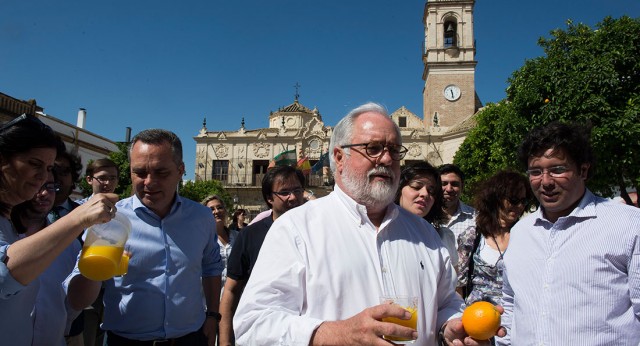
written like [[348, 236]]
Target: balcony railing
[[312, 180]]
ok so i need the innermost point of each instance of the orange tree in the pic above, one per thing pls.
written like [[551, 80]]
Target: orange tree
[[589, 76]]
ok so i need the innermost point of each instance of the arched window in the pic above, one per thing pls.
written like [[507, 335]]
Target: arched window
[[450, 34]]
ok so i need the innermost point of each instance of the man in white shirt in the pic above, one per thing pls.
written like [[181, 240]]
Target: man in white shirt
[[459, 215], [324, 266], [572, 270]]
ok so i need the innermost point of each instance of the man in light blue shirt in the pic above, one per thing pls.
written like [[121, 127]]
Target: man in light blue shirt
[[175, 263], [572, 270]]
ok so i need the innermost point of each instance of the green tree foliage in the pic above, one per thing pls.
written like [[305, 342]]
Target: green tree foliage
[[491, 146], [198, 190], [586, 76]]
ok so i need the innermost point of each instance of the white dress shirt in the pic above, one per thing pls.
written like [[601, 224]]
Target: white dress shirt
[[326, 261], [575, 281]]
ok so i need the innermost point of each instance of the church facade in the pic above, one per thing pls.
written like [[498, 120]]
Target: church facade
[[239, 159]]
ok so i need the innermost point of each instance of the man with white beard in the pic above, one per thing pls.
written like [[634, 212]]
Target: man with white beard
[[324, 266]]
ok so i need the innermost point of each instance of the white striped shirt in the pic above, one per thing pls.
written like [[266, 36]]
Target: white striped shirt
[[575, 281]]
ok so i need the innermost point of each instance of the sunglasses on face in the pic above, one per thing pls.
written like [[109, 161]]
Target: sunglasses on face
[[514, 201]]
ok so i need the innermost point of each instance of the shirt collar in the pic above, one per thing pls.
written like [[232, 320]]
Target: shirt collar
[[584, 210], [359, 211], [137, 204]]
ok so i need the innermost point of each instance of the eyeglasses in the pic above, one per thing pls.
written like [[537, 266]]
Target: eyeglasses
[[554, 172], [106, 179], [26, 118], [375, 149], [517, 201], [287, 193], [50, 187], [418, 185]]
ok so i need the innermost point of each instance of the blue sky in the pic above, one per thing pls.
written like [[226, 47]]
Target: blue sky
[[169, 64]]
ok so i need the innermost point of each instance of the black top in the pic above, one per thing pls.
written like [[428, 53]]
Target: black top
[[234, 226], [244, 252]]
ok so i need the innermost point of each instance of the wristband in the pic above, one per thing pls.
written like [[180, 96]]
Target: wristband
[[214, 314]]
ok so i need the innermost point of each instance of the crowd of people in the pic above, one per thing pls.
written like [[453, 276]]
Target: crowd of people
[[561, 264]]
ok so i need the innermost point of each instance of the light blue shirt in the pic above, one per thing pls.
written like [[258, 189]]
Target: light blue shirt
[[575, 281], [161, 295], [16, 300], [52, 313]]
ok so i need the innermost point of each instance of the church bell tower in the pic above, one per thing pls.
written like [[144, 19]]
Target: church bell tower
[[449, 94]]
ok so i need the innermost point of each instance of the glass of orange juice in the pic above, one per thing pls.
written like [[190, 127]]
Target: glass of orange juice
[[409, 303]]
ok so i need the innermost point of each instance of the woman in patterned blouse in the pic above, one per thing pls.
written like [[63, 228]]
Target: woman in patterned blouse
[[500, 202]]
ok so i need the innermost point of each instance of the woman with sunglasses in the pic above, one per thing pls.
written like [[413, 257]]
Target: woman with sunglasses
[[28, 149], [420, 192], [500, 202]]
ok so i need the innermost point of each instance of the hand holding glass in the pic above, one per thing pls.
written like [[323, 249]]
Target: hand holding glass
[[408, 303]]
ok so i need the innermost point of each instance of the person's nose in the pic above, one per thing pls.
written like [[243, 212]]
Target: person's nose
[[385, 158], [547, 181], [424, 192]]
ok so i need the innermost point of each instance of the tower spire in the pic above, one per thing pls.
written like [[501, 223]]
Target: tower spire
[[297, 95]]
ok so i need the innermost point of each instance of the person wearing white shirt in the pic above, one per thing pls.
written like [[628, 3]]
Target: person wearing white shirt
[[459, 216], [572, 272], [324, 266]]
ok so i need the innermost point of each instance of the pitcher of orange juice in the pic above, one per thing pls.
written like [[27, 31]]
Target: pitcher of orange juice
[[103, 252]]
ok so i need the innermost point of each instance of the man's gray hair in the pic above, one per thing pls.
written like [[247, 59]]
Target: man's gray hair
[[343, 131], [158, 137]]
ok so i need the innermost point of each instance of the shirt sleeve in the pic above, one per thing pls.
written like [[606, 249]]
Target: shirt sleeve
[[272, 302], [634, 277], [507, 304], [211, 260], [8, 285], [234, 262], [449, 302]]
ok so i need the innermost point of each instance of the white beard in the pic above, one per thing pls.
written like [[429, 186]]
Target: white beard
[[372, 195]]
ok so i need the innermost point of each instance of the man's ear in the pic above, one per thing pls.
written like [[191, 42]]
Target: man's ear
[[584, 170], [88, 179], [339, 157]]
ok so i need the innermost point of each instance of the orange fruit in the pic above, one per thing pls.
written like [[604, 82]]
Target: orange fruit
[[481, 320]]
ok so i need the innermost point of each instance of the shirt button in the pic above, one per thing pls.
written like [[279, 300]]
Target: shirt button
[[384, 270], [546, 286]]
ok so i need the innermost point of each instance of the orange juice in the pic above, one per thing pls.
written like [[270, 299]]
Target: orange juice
[[124, 265], [100, 262], [411, 323]]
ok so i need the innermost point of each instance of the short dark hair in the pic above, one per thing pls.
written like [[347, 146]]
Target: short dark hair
[[278, 173], [436, 215], [491, 193], [97, 165], [573, 139], [159, 137], [451, 168], [75, 165]]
